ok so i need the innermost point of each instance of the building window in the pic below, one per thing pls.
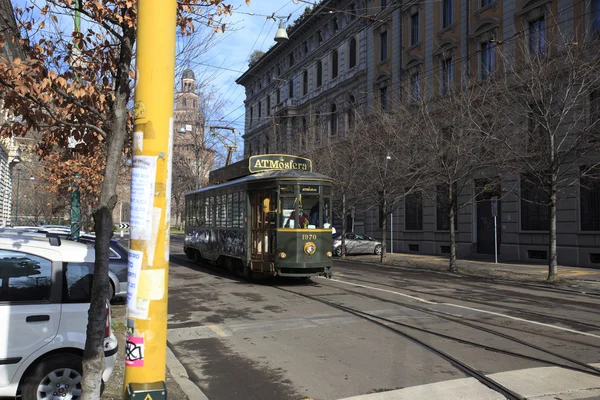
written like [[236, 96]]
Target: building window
[[278, 96], [305, 47], [414, 29], [352, 11], [596, 16], [447, 13], [319, 73], [413, 210], [383, 98], [259, 109], [443, 204], [535, 212], [537, 36], [319, 37], [333, 125], [484, 3], [251, 114], [352, 51], [304, 83], [589, 200], [414, 93], [269, 105], [290, 89], [487, 59], [351, 112], [335, 25], [383, 3], [334, 64], [447, 76], [383, 46], [595, 115], [184, 102], [291, 59]]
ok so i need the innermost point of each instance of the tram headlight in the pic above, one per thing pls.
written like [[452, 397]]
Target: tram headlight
[[329, 254], [282, 255], [310, 248]]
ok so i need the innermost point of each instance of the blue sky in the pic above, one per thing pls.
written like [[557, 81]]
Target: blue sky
[[250, 33]]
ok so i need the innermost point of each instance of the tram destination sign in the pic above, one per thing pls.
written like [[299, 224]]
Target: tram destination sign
[[270, 162], [259, 163]]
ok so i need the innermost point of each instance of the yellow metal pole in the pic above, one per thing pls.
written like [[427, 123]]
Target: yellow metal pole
[[150, 195]]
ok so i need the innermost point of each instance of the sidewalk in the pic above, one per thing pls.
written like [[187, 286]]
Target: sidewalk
[[571, 276], [114, 387]]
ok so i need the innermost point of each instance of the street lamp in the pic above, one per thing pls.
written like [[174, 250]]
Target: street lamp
[[75, 208]]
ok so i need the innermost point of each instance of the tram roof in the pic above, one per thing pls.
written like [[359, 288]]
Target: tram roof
[[267, 175]]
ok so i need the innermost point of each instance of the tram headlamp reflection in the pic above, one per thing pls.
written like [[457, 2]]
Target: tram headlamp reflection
[[310, 248], [282, 255], [329, 254]]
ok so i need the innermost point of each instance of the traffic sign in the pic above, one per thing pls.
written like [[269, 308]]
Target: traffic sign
[[123, 226], [494, 206]]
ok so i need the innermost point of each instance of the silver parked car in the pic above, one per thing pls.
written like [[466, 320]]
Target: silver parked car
[[356, 243]]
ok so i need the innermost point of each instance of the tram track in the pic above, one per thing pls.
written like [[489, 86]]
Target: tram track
[[465, 368], [497, 306]]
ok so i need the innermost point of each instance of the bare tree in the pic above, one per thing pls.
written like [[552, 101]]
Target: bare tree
[[457, 132], [391, 159], [553, 135]]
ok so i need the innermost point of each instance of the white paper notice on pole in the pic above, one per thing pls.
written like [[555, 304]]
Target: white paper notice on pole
[[142, 306], [143, 178], [134, 270]]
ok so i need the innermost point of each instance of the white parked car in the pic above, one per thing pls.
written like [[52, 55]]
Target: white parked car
[[45, 288]]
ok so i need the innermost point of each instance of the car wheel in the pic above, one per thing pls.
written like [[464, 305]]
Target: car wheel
[[111, 291], [58, 376], [378, 249], [338, 251]]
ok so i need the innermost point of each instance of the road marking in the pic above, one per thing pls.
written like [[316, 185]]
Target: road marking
[[218, 330], [383, 290], [471, 309]]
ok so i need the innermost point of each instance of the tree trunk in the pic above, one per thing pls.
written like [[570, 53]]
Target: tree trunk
[[93, 356], [452, 266], [384, 228], [552, 260], [343, 236]]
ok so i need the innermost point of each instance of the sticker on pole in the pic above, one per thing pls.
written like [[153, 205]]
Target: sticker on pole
[[134, 351], [143, 178]]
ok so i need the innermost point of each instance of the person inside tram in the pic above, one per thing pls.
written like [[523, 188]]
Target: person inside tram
[[302, 219], [314, 215]]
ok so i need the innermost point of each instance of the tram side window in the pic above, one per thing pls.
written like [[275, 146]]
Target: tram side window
[[224, 210], [200, 212], [242, 209], [211, 212], [235, 210], [230, 210]]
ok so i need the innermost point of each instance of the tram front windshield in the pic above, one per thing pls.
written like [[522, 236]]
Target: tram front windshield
[[304, 210]]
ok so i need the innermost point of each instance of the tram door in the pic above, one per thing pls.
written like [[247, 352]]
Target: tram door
[[263, 229]]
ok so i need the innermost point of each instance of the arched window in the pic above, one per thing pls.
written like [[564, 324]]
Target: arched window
[[184, 102], [352, 58], [334, 64], [333, 120], [319, 73], [304, 83]]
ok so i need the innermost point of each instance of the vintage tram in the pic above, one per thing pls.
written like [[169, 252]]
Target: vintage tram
[[268, 215]]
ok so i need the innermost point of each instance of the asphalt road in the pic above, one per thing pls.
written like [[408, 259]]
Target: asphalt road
[[441, 336]]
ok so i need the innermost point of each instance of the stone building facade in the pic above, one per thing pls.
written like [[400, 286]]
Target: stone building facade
[[412, 49]]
